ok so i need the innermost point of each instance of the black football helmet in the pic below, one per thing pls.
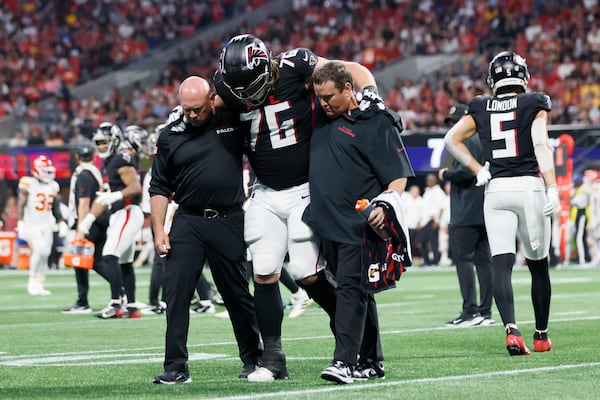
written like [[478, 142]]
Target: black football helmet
[[245, 66], [136, 138], [107, 139], [507, 69]]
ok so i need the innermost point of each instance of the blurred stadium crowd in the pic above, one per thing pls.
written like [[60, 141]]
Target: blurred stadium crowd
[[47, 47]]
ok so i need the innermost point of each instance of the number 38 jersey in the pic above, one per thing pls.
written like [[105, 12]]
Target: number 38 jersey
[[278, 132], [504, 127], [40, 198]]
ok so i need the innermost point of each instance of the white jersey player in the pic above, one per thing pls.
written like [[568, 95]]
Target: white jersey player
[[37, 194]]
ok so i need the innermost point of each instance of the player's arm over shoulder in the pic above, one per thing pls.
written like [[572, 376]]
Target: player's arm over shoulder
[[362, 75]]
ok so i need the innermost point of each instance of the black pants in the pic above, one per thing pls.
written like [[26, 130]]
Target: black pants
[[97, 236], [581, 241], [194, 240], [470, 249], [356, 321], [156, 280], [429, 240]]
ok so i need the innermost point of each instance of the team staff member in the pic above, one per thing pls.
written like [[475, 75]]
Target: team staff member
[[355, 153], [276, 108], [86, 181], [513, 133], [468, 238], [199, 160]]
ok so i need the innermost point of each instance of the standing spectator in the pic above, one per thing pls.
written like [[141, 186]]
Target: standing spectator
[[37, 217], [468, 238], [434, 203], [35, 138], [514, 137], [86, 181], [199, 162], [356, 152], [579, 218], [276, 109], [413, 201], [10, 213], [18, 140], [119, 169], [55, 138]]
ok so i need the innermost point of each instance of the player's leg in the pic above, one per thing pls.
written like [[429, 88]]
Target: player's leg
[[535, 228], [266, 234], [306, 264], [501, 223], [40, 239]]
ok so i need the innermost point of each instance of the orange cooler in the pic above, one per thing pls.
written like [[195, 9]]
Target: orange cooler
[[79, 254], [7, 247]]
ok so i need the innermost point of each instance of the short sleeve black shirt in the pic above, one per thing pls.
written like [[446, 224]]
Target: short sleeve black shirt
[[202, 166]]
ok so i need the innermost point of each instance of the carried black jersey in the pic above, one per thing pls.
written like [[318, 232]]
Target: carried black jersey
[[504, 127], [367, 147], [201, 165], [278, 132], [111, 177]]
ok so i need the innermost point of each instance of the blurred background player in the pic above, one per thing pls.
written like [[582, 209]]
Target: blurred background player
[[86, 181], [468, 237], [38, 214], [122, 198], [512, 127]]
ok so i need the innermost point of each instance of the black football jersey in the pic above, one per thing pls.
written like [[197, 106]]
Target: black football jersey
[[278, 132], [504, 127], [110, 175]]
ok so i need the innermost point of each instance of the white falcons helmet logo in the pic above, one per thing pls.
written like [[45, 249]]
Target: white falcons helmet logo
[[254, 55]]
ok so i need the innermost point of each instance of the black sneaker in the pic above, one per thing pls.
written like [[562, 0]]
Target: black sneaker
[[202, 307], [77, 309], [172, 378], [249, 367], [339, 372], [466, 320], [369, 370]]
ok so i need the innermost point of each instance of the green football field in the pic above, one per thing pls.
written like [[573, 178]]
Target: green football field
[[47, 355]]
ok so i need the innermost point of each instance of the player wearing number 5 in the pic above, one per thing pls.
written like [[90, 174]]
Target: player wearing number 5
[[277, 111], [521, 194]]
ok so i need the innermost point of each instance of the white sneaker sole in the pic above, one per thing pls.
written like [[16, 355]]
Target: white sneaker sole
[[261, 374], [334, 377]]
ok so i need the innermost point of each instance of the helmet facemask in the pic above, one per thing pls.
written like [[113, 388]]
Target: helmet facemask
[[107, 139]]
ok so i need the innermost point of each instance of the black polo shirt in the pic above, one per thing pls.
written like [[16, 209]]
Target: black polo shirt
[[201, 165], [352, 157]]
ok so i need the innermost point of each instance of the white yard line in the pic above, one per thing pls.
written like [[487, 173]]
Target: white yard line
[[388, 383]]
